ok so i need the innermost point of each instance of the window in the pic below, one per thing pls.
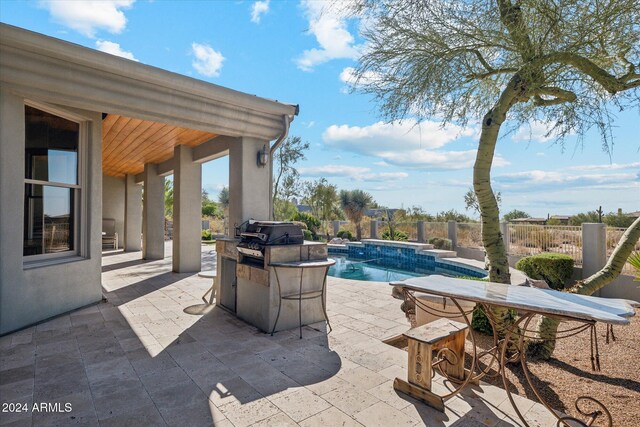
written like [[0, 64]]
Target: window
[[52, 184]]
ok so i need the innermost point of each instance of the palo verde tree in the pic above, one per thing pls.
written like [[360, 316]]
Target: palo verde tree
[[286, 184], [563, 63]]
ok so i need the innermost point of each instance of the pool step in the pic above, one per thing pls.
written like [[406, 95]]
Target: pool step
[[439, 253]]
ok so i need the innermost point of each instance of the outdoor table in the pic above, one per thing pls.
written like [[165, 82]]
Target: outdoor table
[[510, 345], [303, 294]]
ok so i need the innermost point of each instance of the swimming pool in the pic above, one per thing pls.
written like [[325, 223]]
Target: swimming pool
[[380, 270], [373, 270]]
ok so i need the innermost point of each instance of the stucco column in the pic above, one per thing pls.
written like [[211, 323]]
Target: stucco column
[[594, 248], [336, 228], [187, 211], [132, 214], [422, 232], [248, 183], [452, 233], [374, 228], [504, 229], [153, 214]]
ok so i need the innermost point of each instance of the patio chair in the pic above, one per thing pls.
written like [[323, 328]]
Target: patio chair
[[109, 235]]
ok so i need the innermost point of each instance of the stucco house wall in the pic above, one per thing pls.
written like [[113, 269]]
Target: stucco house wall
[[87, 84], [30, 293]]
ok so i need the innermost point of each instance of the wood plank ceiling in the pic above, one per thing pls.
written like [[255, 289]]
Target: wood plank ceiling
[[127, 144]]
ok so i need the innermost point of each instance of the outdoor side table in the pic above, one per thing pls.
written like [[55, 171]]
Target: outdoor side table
[[529, 302], [303, 294]]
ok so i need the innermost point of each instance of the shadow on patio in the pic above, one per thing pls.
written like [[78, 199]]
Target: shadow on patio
[[141, 359]]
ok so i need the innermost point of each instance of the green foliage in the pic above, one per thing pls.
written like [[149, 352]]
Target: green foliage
[[206, 234], [354, 203], [168, 198], [452, 215], [414, 213], [209, 207], [398, 235], [579, 219], [480, 321], [283, 209], [515, 214], [618, 220], [312, 223], [440, 243], [345, 234], [634, 260], [321, 197], [308, 235], [286, 184], [555, 269], [223, 197]]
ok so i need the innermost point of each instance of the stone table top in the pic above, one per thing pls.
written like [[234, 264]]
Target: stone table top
[[542, 301]]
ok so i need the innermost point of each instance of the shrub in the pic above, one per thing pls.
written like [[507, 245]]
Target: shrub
[[311, 221], [206, 234], [307, 235], [345, 234], [555, 269], [398, 235], [440, 243]]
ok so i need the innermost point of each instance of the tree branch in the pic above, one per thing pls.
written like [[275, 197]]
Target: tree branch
[[560, 96], [609, 82]]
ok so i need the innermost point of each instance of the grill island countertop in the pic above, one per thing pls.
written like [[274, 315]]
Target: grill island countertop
[[248, 284]]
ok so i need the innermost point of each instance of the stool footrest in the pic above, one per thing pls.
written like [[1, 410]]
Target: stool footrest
[[419, 393]]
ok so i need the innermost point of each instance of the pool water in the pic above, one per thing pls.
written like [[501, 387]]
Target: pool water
[[374, 270]]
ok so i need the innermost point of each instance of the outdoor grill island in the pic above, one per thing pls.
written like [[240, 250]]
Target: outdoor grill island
[[271, 277]]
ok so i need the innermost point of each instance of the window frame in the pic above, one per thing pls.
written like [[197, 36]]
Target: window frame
[[80, 208]]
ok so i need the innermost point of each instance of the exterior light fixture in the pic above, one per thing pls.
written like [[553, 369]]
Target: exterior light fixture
[[263, 157]]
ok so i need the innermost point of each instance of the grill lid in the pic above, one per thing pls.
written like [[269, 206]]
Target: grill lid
[[272, 233]]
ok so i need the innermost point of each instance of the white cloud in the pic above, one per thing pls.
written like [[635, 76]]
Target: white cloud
[[258, 9], [329, 26], [348, 76], [436, 160], [611, 166], [535, 180], [89, 16], [208, 61], [355, 173], [406, 135], [535, 131], [114, 49], [333, 170], [406, 144]]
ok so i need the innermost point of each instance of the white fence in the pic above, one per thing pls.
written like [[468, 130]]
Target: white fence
[[525, 239], [469, 234]]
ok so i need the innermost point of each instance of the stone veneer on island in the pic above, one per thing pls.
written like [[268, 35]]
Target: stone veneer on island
[[251, 290]]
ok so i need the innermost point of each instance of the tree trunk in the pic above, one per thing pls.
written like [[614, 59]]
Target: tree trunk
[[548, 326], [489, 212], [358, 231]]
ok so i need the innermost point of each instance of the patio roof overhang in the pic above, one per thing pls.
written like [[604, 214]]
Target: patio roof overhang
[[55, 71]]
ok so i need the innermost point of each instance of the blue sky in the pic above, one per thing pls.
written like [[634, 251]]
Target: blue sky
[[289, 51]]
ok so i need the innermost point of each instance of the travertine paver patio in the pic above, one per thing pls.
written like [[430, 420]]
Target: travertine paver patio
[[153, 355]]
